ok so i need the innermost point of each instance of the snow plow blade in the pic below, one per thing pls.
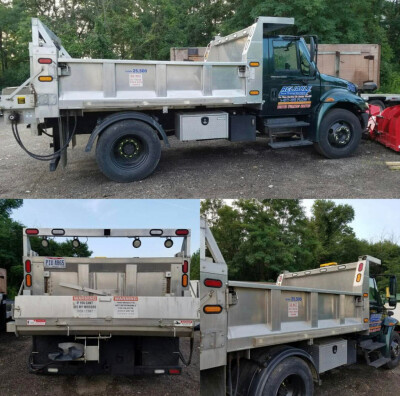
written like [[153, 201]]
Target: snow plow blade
[[384, 126]]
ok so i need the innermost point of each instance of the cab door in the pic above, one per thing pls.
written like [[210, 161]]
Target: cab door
[[291, 81]]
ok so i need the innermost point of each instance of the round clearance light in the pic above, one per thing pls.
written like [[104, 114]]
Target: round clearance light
[[168, 243], [76, 243], [136, 243], [45, 242]]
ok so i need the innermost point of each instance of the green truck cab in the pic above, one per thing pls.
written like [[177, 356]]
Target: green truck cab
[[383, 341], [297, 97]]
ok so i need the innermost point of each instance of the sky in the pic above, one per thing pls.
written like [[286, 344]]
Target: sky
[[374, 219], [114, 213]]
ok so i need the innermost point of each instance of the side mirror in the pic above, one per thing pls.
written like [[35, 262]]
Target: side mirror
[[312, 49], [392, 302], [393, 285], [313, 70]]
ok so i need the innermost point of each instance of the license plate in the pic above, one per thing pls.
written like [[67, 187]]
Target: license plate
[[54, 262]]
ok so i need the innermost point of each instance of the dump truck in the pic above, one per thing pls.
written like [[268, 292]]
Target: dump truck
[[3, 299], [253, 81], [106, 315], [261, 338]]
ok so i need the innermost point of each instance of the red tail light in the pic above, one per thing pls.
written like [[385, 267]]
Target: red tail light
[[360, 267], [185, 266], [31, 231], [28, 266], [213, 283], [174, 371], [182, 232], [45, 61]]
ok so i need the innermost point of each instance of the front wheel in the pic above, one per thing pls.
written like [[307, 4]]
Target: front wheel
[[339, 134], [128, 151], [394, 351], [290, 377]]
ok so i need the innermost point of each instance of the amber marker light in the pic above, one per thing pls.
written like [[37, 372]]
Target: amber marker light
[[212, 309]]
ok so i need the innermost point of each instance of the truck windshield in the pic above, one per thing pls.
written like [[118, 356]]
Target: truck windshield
[[374, 297]]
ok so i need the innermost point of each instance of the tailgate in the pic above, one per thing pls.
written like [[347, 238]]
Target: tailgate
[[117, 315]]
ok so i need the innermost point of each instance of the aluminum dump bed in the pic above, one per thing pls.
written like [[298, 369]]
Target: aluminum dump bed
[[310, 304], [106, 296], [59, 82]]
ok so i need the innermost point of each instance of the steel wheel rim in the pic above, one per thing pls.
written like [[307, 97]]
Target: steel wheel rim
[[340, 134], [395, 349], [129, 151], [292, 385]]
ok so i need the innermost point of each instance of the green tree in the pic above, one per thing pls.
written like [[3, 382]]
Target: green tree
[[10, 243], [259, 239], [330, 223], [195, 266], [11, 249]]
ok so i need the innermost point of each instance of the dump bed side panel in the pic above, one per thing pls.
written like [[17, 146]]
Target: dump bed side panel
[[113, 84], [309, 304]]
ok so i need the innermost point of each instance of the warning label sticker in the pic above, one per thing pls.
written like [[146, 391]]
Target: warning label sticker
[[293, 309], [135, 80], [126, 307], [54, 262], [187, 323], [36, 322], [84, 306]]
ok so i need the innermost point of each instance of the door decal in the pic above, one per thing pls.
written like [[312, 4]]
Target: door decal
[[295, 97]]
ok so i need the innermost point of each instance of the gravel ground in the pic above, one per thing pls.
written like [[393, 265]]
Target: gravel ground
[[359, 380], [213, 169], [16, 381]]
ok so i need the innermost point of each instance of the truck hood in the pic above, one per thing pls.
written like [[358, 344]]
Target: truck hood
[[330, 82]]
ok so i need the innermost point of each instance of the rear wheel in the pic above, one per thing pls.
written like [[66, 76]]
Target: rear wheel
[[394, 351], [291, 377], [128, 151], [339, 134]]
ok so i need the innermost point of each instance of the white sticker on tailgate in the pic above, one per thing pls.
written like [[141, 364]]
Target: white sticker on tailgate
[[54, 262], [84, 306], [126, 307], [36, 322], [185, 323]]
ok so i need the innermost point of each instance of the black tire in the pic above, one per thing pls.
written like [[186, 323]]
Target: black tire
[[290, 377], [379, 103], [128, 151], [339, 134], [394, 351]]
